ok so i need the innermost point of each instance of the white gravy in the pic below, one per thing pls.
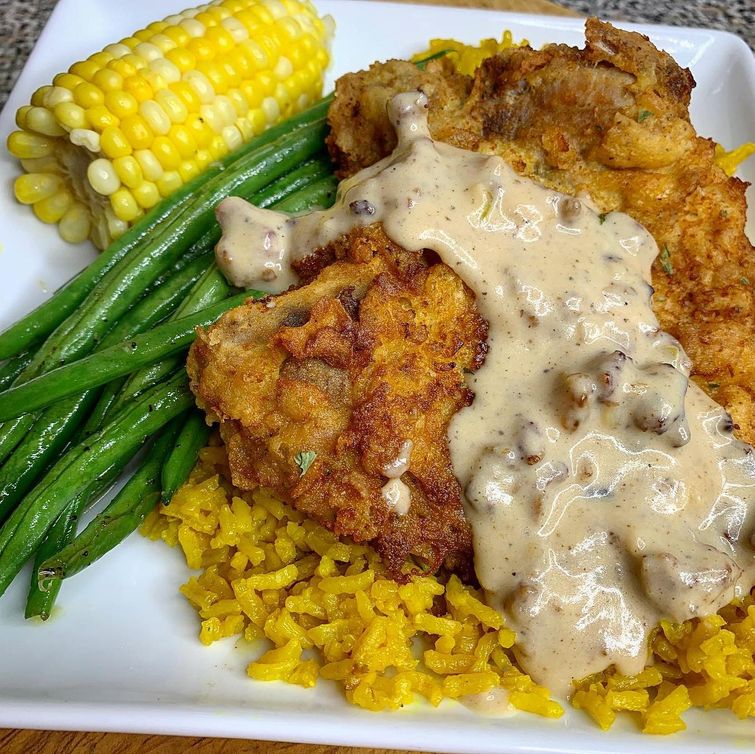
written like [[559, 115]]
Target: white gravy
[[604, 490]]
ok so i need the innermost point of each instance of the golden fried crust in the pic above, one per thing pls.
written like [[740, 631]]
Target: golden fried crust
[[612, 120], [361, 132], [367, 355]]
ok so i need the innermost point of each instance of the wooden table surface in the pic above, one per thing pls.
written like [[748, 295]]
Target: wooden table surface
[[61, 742]]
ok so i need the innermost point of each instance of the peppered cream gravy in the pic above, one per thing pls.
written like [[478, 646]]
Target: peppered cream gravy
[[605, 491]]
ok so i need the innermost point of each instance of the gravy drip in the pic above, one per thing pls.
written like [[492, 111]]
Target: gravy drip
[[605, 490]]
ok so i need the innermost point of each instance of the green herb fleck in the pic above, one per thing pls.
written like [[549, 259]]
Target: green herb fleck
[[723, 213], [744, 280], [668, 268], [713, 385], [643, 115], [602, 217], [304, 460]]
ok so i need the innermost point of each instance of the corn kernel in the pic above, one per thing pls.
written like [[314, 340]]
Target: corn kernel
[[100, 59], [118, 50], [150, 165], [52, 208], [214, 74], [155, 117], [115, 226], [86, 69], [148, 51], [121, 103], [166, 153], [67, 80], [100, 118], [128, 170], [232, 137], [146, 194], [139, 87], [124, 205], [56, 95], [75, 224], [85, 137], [172, 105], [188, 169], [26, 145], [137, 132], [201, 86], [88, 95], [114, 143], [183, 140], [108, 80], [47, 164], [201, 50], [42, 121], [103, 177], [166, 70], [177, 35], [32, 187], [168, 182]]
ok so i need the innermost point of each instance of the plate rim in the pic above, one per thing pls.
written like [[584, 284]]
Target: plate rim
[[209, 720]]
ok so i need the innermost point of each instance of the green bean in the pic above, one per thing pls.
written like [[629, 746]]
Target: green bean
[[49, 436], [12, 368], [41, 597], [109, 363], [211, 288], [122, 285], [57, 424], [320, 194], [279, 190], [24, 530], [120, 518], [147, 312], [48, 315], [181, 459]]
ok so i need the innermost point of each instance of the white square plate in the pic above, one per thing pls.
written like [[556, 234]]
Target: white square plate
[[121, 654]]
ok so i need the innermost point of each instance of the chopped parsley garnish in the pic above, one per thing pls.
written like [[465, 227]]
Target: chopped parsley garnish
[[668, 268], [602, 217], [304, 460], [643, 115], [744, 280], [713, 385]]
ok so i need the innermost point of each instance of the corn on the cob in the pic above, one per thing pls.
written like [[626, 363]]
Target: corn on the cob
[[129, 125]]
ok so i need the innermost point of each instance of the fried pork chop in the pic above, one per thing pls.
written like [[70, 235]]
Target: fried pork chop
[[372, 349], [611, 120], [368, 354]]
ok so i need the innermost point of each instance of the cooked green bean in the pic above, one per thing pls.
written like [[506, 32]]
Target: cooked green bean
[[24, 530], [321, 194], [48, 315], [211, 288], [49, 436], [148, 312], [120, 518], [12, 368], [181, 459], [109, 363], [123, 284], [56, 425], [41, 599]]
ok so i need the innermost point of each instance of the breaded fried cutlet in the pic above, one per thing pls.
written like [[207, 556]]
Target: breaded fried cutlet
[[610, 120], [368, 355]]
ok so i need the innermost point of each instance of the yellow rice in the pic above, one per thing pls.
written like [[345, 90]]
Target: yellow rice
[[322, 608]]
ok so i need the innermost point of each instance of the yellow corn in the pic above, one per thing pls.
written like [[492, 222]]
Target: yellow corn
[[128, 126]]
